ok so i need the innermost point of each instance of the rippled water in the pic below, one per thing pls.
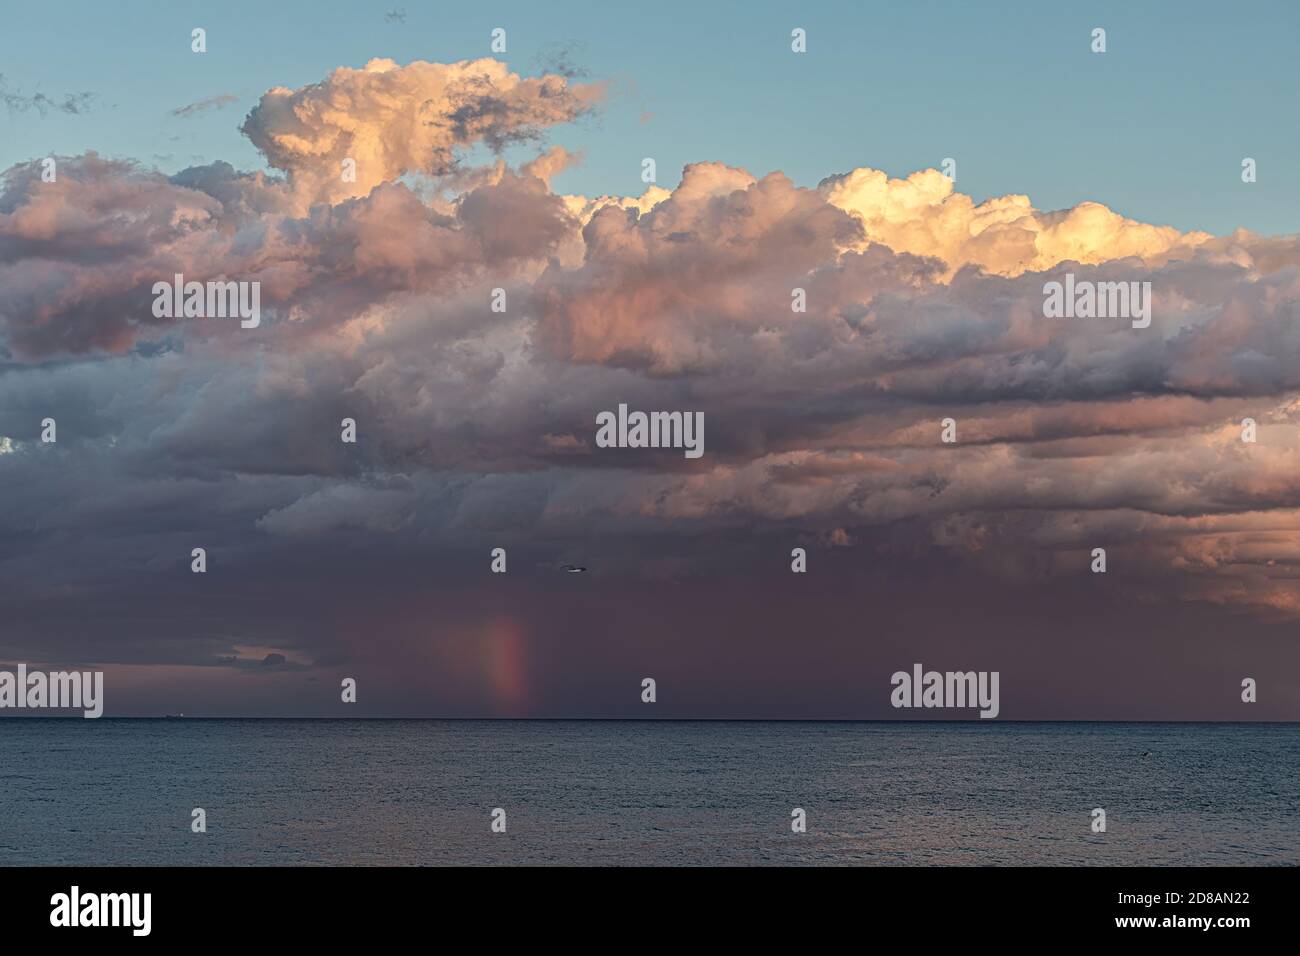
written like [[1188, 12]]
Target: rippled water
[[114, 792]]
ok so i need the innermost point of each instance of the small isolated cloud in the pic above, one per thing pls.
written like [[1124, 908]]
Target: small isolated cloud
[[252, 659], [204, 106]]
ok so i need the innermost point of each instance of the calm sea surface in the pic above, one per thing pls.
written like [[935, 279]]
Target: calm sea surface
[[414, 792]]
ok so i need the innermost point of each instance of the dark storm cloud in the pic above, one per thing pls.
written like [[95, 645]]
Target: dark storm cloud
[[475, 428]]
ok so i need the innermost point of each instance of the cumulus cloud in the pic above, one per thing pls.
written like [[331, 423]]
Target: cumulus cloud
[[924, 215], [475, 427], [391, 120], [670, 288]]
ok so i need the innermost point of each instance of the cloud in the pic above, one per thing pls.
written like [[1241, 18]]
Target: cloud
[[673, 287], [551, 163], [925, 216], [561, 59], [206, 105], [340, 506], [16, 101], [475, 427], [79, 255], [392, 120]]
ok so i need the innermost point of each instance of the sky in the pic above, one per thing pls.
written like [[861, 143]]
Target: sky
[[776, 171], [1156, 127]]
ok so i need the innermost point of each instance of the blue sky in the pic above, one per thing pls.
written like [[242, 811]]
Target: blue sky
[[1156, 127]]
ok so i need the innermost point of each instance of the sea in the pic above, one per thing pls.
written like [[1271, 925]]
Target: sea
[[123, 792]]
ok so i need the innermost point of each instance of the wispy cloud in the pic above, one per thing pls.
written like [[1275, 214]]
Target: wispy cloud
[[204, 106], [562, 59], [18, 102]]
